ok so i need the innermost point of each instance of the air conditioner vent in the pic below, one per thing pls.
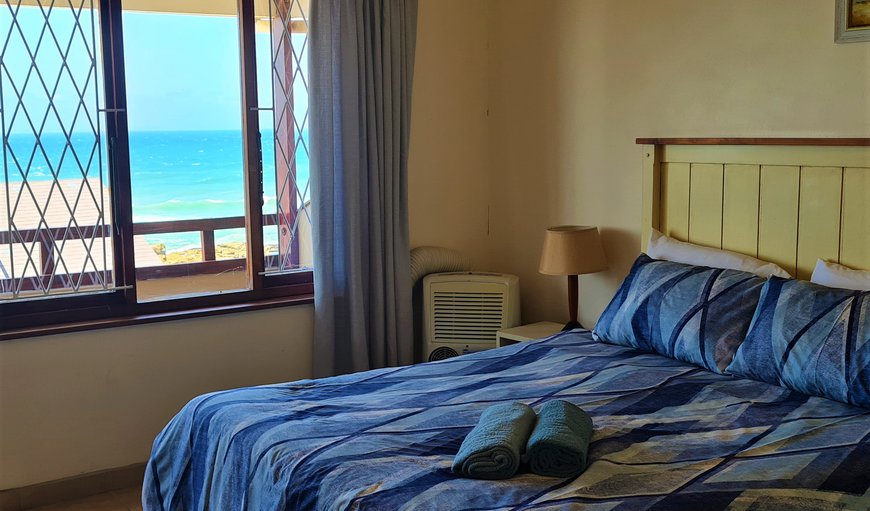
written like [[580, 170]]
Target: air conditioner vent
[[466, 310], [442, 353], [467, 316]]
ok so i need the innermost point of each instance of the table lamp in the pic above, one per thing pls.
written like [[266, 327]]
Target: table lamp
[[572, 250]]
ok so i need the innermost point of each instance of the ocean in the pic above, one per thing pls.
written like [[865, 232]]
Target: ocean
[[175, 175]]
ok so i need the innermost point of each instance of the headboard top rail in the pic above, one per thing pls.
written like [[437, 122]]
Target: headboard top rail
[[757, 141]]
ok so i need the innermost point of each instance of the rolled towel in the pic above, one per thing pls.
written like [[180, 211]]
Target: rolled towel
[[493, 448], [559, 445]]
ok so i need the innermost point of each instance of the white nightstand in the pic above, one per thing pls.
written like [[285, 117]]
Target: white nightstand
[[525, 333]]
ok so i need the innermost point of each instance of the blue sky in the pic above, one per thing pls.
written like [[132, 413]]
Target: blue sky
[[182, 70]]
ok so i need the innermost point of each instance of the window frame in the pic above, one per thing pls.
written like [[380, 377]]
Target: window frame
[[119, 307]]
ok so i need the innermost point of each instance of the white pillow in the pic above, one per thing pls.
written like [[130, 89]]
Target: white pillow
[[668, 249], [836, 275]]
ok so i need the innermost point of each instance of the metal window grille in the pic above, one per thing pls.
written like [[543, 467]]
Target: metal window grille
[[289, 50], [55, 232]]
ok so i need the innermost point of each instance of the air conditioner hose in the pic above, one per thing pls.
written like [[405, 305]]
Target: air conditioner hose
[[426, 260]]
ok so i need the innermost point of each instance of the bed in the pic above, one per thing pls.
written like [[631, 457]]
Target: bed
[[668, 434]]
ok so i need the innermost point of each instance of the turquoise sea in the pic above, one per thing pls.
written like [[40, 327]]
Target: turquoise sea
[[179, 175]]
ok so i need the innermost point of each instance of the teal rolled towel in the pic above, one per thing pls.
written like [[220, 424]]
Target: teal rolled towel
[[559, 445], [493, 448]]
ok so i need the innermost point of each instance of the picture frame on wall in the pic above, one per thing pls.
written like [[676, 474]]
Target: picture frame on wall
[[852, 23]]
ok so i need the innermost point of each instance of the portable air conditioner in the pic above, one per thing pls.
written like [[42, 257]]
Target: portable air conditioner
[[463, 311]]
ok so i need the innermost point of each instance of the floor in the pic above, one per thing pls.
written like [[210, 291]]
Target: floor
[[119, 500]]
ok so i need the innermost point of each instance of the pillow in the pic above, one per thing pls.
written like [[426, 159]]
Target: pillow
[[810, 338], [668, 249], [837, 275], [692, 313]]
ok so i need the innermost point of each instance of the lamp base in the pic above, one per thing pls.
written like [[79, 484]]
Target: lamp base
[[571, 325]]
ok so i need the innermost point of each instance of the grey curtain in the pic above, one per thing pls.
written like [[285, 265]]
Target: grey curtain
[[362, 61]]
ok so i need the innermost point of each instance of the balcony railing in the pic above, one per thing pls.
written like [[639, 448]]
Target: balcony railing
[[46, 239], [209, 265]]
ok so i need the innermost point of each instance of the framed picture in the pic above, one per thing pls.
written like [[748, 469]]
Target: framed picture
[[852, 22]]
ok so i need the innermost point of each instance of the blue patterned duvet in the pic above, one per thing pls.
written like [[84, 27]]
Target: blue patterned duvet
[[668, 435]]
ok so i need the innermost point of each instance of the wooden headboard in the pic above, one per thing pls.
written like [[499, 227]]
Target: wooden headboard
[[789, 201]]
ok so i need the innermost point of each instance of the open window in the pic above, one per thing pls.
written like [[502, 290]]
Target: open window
[[56, 223], [282, 63], [155, 157]]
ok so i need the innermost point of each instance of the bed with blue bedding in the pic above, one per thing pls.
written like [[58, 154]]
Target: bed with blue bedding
[[668, 435]]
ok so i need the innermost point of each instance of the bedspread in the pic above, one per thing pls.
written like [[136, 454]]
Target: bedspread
[[668, 435]]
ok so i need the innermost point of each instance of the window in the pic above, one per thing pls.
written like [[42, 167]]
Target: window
[[154, 161], [186, 153], [55, 191], [283, 51]]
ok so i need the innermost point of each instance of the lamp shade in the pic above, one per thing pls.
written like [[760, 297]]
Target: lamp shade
[[572, 250]]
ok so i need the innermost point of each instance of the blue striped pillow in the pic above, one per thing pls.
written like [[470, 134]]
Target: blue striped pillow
[[810, 338], [692, 313]]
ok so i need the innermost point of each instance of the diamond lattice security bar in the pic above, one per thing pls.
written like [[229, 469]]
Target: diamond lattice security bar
[[289, 63], [55, 222]]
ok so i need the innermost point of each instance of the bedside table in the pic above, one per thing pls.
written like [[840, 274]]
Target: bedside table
[[525, 333]]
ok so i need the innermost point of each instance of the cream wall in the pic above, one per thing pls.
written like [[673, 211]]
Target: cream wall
[[448, 160], [572, 83], [82, 402]]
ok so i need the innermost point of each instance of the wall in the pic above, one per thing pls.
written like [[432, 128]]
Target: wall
[[573, 83], [82, 402], [448, 156]]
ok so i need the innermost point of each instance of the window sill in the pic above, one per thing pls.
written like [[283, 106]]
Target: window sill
[[157, 317]]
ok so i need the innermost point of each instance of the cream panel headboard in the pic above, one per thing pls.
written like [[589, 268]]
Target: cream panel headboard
[[790, 201]]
